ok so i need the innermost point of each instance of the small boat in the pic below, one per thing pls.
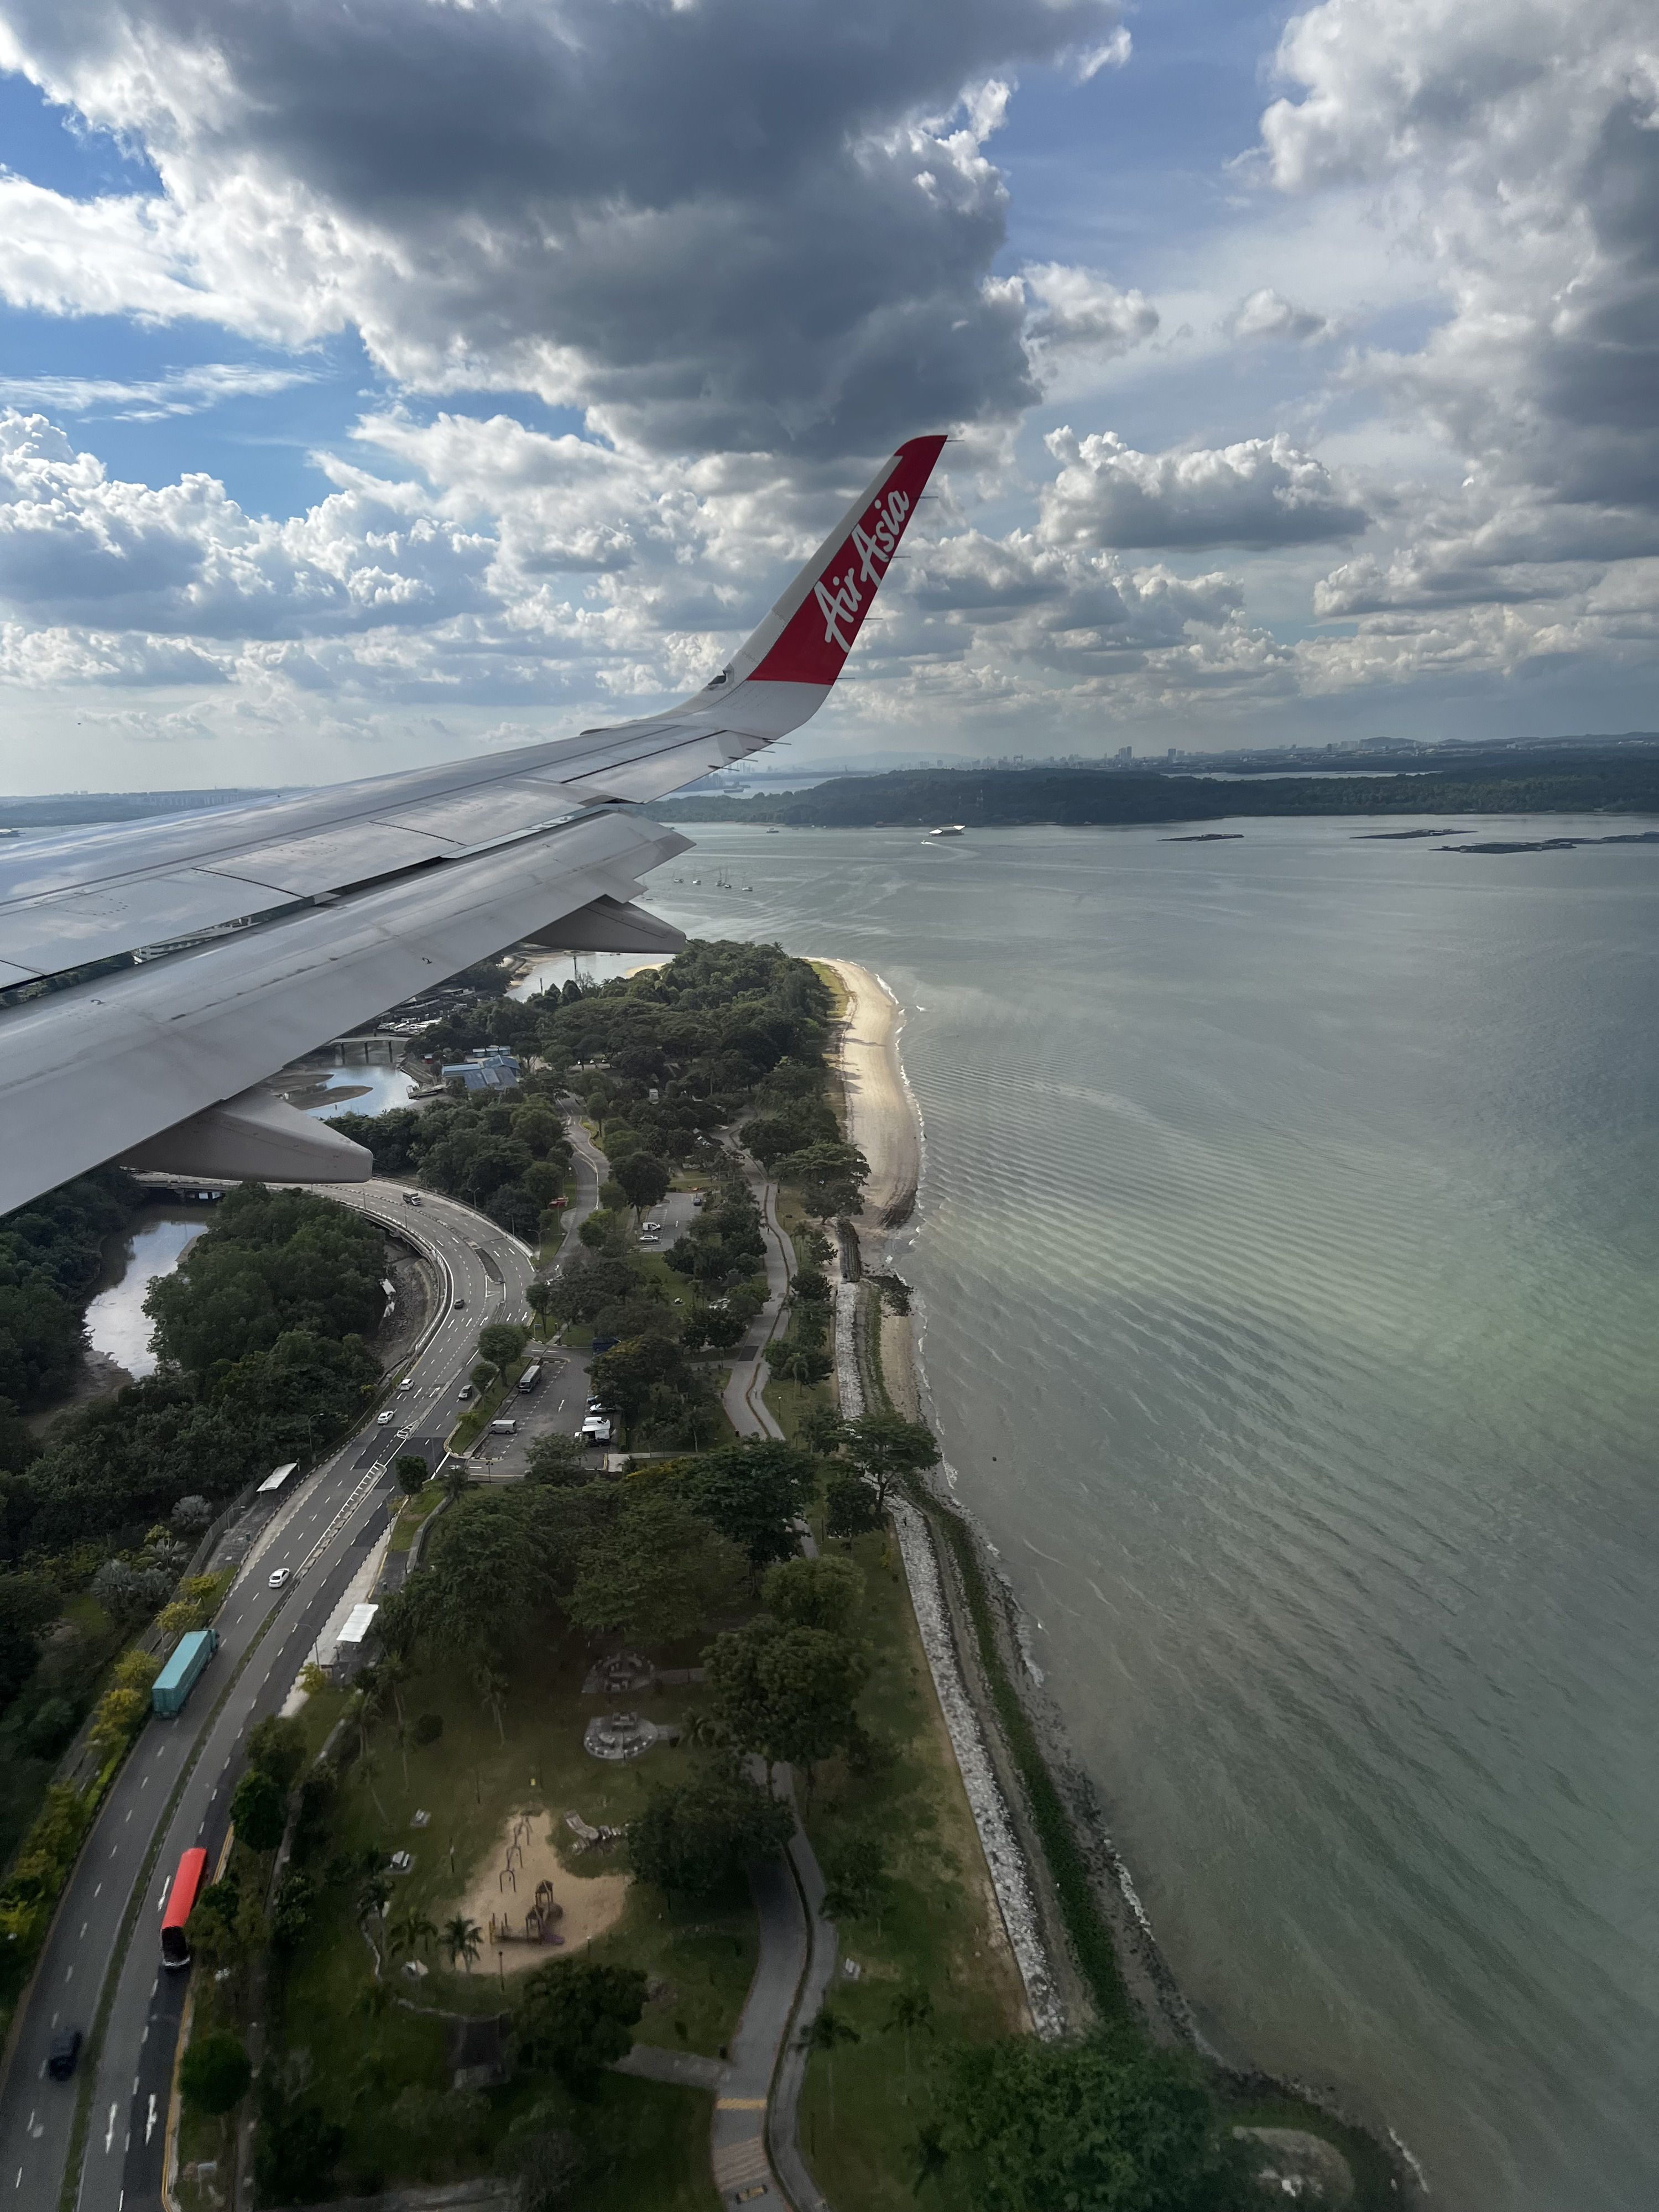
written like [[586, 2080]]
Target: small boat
[[948, 830]]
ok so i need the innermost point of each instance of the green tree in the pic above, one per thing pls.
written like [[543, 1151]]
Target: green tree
[[856, 1884], [850, 1508], [1099, 2126], [789, 1694], [578, 2016], [538, 1297], [214, 2073], [258, 1811], [823, 1593], [644, 1180], [639, 1372], [410, 1470], [500, 1342], [296, 1902], [555, 1459], [693, 1838], [656, 1573], [824, 2033], [295, 2152], [278, 1748], [886, 1448], [492, 1685], [830, 1175], [910, 2011], [751, 1492], [462, 1938]]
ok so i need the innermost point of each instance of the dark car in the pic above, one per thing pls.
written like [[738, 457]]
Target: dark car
[[66, 2050]]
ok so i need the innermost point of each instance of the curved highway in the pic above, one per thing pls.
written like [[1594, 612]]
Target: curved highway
[[173, 1791]]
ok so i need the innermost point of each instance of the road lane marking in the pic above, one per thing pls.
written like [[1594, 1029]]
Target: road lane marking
[[150, 2121], [109, 2133], [69, 1975]]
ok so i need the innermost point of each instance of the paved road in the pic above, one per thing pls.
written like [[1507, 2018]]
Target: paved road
[[749, 1413], [320, 1537]]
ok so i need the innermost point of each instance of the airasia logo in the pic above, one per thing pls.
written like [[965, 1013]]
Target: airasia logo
[[838, 596]]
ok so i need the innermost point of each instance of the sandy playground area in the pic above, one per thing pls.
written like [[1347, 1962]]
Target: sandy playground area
[[592, 1902]]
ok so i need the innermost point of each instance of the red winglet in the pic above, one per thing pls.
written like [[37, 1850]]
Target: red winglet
[[818, 637]]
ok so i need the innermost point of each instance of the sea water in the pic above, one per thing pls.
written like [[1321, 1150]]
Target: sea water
[[1288, 1261]]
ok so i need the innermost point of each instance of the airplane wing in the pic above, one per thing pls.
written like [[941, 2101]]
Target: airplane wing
[[152, 975]]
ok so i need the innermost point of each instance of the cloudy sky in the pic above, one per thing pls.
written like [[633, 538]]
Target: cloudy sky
[[387, 380]]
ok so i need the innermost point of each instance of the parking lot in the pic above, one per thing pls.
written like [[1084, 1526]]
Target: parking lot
[[559, 1403]]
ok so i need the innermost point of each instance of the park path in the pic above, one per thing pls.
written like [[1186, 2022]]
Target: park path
[[752, 2138], [745, 1408]]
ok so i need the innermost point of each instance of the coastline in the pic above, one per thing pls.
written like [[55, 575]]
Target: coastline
[[882, 1119], [990, 1687]]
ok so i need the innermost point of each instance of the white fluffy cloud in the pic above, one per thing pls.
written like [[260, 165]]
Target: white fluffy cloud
[[1522, 141], [1261, 494], [751, 247], [1267, 314]]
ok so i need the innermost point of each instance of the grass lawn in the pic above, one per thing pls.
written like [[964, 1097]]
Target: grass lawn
[[938, 1932], [411, 1515], [649, 2144]]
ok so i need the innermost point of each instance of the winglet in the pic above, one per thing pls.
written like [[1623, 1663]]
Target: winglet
[[809, 633]]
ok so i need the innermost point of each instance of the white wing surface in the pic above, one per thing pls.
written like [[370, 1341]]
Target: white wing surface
[[305, 915]]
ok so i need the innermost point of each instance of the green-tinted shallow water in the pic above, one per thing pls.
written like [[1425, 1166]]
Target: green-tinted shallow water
[[1288, 1256]]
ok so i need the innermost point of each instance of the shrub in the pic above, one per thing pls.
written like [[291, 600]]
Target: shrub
[[215, 2072]]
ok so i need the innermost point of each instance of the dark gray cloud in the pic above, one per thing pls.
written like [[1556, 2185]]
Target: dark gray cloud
[[727, 226]]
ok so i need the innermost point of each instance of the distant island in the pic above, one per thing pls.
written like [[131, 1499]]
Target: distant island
[[1572, 782]]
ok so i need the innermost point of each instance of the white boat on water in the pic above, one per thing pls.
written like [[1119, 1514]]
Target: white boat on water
[[950, 829]]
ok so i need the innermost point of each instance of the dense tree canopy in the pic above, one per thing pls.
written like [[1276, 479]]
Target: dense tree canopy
[[578, 2016], [694, 1839], [272, 1262], [1093, 2127]]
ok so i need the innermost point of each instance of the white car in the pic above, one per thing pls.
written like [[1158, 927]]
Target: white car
[[279, 1577], [381, 1419]]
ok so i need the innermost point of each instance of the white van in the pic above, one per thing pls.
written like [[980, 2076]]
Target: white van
[[503, 1428]]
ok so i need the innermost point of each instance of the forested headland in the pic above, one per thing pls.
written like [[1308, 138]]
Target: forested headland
[[1560, 783]]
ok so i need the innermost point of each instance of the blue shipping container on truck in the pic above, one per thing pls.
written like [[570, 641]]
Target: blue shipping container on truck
[[179, 1677]]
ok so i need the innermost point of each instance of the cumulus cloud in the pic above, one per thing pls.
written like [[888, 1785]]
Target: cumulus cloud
[[724, 227], [1523, 142], [1082, 311], [1268, 315], [1260, 494], [79, 548]]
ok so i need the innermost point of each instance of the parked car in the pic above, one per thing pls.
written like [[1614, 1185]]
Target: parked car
[[66, 2050], [279, 1577]]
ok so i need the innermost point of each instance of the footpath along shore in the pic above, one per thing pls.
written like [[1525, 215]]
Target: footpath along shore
[[1079, 1935]]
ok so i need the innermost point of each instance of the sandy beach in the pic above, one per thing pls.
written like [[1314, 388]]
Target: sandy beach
[[881, 1117]]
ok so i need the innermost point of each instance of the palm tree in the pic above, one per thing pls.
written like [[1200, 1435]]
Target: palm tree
[[825, 2032], [370, 1767], [462, 1938], [413, 1932], [492, 1686], [391, 1675], [911, 2009], [374, 1897], [457, 1480]]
